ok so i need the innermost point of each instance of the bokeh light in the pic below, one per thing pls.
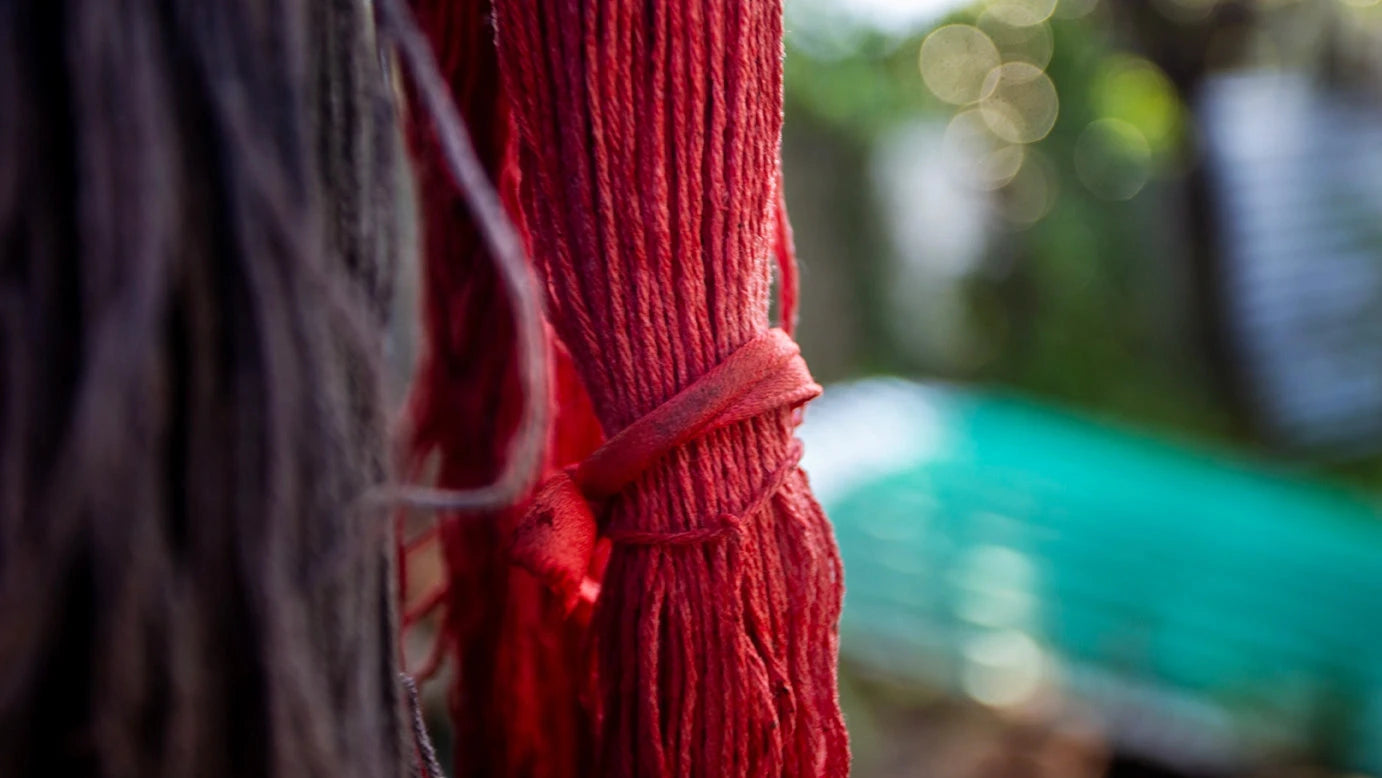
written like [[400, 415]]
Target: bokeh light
[[1032, 193], [1020, 103], [1032, 43], [955, 63], [1022, 13], [980, 158], [1003, 668], [1113, 159], [1139, 93]]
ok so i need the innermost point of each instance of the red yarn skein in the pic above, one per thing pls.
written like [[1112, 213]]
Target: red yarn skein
[[649, 143]]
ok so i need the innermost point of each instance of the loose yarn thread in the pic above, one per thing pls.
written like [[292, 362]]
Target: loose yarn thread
[[480, 405]]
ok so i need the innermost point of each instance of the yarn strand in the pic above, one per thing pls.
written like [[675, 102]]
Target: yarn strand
[[512, 685], [522, 466], [649, 146]]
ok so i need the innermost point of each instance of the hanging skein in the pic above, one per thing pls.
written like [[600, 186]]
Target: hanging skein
[[649, 139], [513, 698]]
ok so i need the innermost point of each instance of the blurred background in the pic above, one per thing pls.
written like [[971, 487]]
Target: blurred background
[[1096, 290]]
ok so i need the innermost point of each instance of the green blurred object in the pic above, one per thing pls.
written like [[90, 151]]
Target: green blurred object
[[1212, 613]]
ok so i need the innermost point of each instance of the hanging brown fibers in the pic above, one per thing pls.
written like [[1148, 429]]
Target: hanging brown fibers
[[197, 234]]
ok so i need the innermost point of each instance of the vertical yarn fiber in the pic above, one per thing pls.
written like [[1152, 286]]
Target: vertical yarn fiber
[[513, 657], [649, 144]]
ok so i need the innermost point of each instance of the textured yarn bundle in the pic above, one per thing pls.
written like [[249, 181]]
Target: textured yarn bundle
[[637, 146], [649, 144]]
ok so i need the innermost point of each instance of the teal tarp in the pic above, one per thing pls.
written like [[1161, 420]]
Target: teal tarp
[[1212, 611]]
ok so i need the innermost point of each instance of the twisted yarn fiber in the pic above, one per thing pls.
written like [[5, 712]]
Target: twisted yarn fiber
[[513, 698], [649, 137]]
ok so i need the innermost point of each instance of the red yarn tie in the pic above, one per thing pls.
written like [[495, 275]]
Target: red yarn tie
[[556, 536]]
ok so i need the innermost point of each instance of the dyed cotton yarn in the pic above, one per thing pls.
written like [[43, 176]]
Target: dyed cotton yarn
[[648, 141], [698, 578]]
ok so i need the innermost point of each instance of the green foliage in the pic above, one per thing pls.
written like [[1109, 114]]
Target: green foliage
[[1069, 317]]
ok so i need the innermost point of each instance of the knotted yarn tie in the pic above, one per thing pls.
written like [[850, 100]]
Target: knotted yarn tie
[[728, 523], [556, 536]]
